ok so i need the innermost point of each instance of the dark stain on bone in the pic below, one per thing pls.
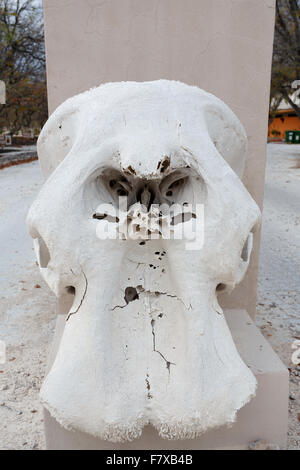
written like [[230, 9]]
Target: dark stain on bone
[[81, 302], [149, 396], [131, 294], [164, 165], [147, 383], [153, 333], [183, 217], [130, 170], [152, 266], [99, 216], [71, 290], [221, 287], [108, 217]]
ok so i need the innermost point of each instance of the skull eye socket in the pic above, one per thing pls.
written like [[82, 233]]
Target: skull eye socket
[[247, 248], [42, 252]]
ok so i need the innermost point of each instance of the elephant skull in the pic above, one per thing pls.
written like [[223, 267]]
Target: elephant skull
[[145, 340]]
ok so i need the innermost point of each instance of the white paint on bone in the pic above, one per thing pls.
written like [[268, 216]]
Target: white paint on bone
[[145, 340]]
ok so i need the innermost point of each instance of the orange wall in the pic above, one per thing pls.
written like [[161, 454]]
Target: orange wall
[[284, 123]]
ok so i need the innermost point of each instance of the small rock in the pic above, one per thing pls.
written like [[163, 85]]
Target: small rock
[[6, 387], [292, 396], [260, 444]]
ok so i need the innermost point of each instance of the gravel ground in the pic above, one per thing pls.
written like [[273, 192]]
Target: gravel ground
[[27, 308], [26, 314], [278, 313]]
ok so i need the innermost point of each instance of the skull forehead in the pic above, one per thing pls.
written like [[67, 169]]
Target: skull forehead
[[146, 120], [142, 119]]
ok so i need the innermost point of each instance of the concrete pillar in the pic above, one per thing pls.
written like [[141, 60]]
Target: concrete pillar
[[265, 417], [223, 46]]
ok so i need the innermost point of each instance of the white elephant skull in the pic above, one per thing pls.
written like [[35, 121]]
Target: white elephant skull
[[145, 341]]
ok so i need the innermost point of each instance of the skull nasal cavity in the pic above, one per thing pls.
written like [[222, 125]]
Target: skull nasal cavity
[[247, 248], [145, 196]]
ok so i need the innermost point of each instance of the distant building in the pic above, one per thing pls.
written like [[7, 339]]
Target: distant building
[[285, 119]]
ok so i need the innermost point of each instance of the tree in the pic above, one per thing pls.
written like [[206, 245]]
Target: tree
[[22, 65], [286, 54]]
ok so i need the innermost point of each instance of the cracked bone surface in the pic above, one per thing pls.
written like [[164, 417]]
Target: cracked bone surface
[[145, 340]]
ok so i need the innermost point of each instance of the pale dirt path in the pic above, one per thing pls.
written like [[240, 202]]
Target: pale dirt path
[[278, 309], [27, 312]]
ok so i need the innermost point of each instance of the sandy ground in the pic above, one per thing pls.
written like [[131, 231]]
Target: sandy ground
[[27, 308]]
